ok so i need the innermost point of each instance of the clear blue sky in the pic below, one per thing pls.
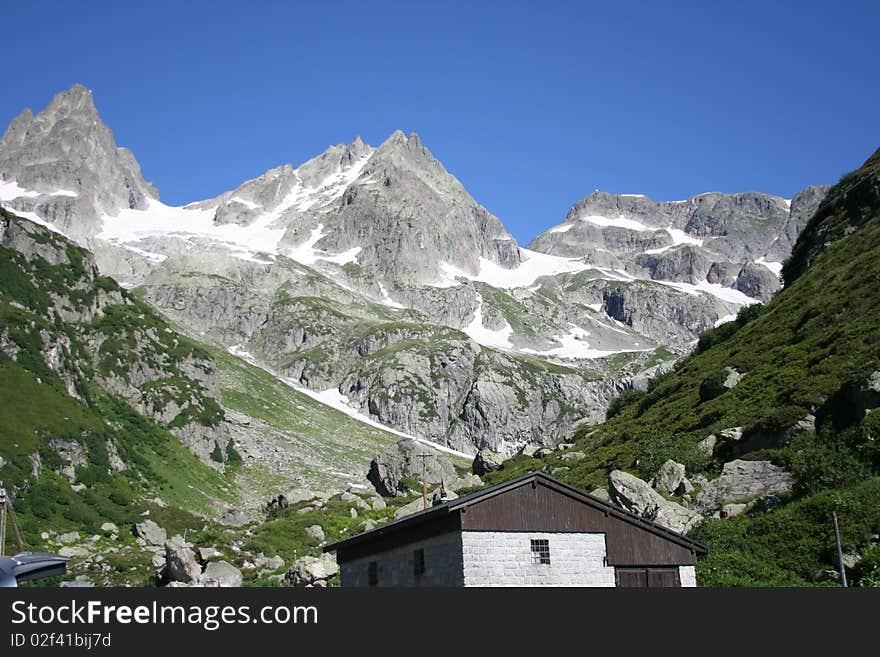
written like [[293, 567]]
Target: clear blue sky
[[532, 105]]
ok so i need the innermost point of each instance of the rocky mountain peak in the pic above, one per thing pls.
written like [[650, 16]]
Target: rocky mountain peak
[[76, 100], [66, 161]]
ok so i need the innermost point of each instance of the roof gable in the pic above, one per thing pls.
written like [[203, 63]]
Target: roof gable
[[479, 501]]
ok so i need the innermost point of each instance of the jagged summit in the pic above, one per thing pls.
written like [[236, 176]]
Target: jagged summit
[[76, 100], [66, 167]]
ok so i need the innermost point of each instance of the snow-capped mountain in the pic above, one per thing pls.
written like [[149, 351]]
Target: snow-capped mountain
[[372, 273], [729, 240]]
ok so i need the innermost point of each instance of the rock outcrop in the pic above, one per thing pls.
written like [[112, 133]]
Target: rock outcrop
[[312, 571], [743, 480], [669, 478], [487, 461], [408, 460], [636, 495]]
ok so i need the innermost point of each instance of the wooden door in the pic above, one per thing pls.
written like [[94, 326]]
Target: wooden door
[[651, 578], [631, 578]]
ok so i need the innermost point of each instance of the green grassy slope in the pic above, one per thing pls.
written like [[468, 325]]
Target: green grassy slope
[[810, 352], [48, 354], [317, 440]]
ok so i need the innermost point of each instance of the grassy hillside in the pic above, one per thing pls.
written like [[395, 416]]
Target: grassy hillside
[[807, 357], [78, 454], [320, 444]]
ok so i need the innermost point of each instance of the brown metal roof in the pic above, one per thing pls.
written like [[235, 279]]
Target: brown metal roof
[[435, 513]]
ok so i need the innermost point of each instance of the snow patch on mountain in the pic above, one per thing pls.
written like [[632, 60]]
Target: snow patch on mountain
[[617, 222], [387, 300], [775, 267], [575, 345], [724, 293], [498, 339], [11, 190], [534, 265]]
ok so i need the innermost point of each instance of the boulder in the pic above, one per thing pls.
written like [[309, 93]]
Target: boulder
[[312, 571], [297, 495], [150, 532], [316, 532], [206, 554], [530, 449], [388, 468], [356, 500], [73, 551], [637, 496], [572, 457], [669, 477], [221, 573], [378, 503], [851, 560], [180, 562], [81, 581], [235, 517], [109, 528], [468, 481], [732, 378], [69, 537], [733, 433], [601, 493], [707, 444], [719, 383], [562, 446], [732, 509], [740, 480], [487, 461], [270, 563]]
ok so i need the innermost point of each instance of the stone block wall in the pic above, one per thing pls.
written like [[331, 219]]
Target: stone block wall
[[505, 559]]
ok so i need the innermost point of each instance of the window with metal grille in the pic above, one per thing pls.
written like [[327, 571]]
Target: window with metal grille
[[419, 562], [373, 573], [540, 551]]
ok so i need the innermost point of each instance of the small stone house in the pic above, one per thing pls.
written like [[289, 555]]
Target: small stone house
[[531, 531]]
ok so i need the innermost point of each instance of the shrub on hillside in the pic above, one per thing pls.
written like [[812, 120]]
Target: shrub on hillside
[[625, 399]]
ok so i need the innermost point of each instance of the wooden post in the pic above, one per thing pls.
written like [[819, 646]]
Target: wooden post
[[2, 520], [424, 481], [18, 543], [839, 550]]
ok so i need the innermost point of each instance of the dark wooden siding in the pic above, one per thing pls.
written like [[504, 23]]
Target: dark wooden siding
[[532, 509], [631, 545], [542, 508], [434, 527]]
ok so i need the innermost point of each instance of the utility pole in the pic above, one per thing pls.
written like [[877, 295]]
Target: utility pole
[[6, 508], [424, 481], [839, 550]]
